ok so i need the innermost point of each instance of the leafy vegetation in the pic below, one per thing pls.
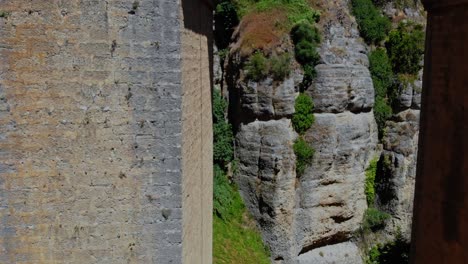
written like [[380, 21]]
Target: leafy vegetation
[[374, 219], [396, 251], [371, 171], [302, 120], [225, 20], [223, 151], [405, 47], [381, 70], [384, 85], [259, 67], [306, 39], [304, 154], [280, 66], [303, 117], [373, 26]]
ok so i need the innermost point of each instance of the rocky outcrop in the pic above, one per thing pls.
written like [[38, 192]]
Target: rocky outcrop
[[303, 216], [395, 183], [344, 253], [397, 174]]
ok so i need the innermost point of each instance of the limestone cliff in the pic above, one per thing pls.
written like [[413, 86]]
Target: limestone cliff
[[315, 217]]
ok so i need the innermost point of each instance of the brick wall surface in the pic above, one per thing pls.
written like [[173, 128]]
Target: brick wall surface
[[91, 132]]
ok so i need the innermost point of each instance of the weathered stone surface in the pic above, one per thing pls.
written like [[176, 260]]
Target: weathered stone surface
[[395, 183], [330, 194], [267, 179], [344, 253], [340, 88], [409, 94], [268, 98], [92, 161]]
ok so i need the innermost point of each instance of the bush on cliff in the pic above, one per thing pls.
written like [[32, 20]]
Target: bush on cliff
[[374, 219], [405, 47], [304, 154], [381, 70], [371, 172], [225, 20], [223, 151], [259, 67], [396, 251], [306, 39], [373, 26], [303, 117]]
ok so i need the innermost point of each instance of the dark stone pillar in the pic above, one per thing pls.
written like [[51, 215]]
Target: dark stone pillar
[[440, 226]]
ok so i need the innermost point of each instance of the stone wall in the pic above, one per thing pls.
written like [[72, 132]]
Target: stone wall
[[93, 157], [197, 136]]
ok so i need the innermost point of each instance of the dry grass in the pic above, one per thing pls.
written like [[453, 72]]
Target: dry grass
[[261, 31]]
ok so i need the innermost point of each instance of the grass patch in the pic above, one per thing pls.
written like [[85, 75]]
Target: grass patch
[[258, 67], [295, 10], [265, 23], [235, 236]]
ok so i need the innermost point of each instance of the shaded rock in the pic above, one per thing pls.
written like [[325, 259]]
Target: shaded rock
[[344, 253], [396, 180]]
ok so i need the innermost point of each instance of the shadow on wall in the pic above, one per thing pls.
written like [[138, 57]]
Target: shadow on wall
[[198, 17]]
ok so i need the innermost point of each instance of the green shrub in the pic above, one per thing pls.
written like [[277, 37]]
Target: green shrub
[[405, 47], [223, 151], [219, 107], [373, 25], [305, 32], [306, 39], [257, 67], [303, 117], [306, 53], [382, 112], [280, 66], [225, 20], [381, 71], [304, 154], [371, 172], [393, 252], [374, 219]]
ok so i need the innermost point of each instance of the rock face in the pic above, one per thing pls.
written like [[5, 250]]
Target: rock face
[[395, 183], [302, 216], [344, 253]]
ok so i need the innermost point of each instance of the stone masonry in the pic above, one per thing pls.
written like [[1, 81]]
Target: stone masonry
[[105, 135]]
